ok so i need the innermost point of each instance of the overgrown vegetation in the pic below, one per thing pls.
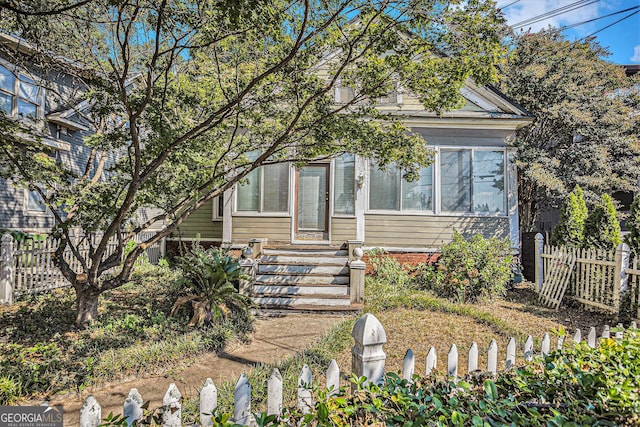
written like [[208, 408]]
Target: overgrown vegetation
[[633, 225], [42, 352], [469, 270], [601, 228], [570, 228]]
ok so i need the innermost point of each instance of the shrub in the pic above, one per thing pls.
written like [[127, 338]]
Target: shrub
[[211, 280], [469, 270], [602, 229], [388, 269], [570, 229], [633, 225]]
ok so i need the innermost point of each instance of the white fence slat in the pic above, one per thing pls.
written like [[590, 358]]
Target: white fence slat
[[511, 353], [132, 408], [305, 402], [242, 401], [560, 342], [452, 361], [528, 349], [172, 409], [208, 402], [472, 366], [90, 413], [591, 338], [408, 365], [577, 337], [333, 378], [492, 357], [274, 393], [432, 361], [606, 332], [619, 334], [546, 345]]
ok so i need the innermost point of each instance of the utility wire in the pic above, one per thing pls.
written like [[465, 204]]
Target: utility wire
[[510, 4], [567, 27], [555, 12], [611, 25]]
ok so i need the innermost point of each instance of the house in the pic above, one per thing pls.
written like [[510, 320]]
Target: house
[[47, 103], [471, 187]]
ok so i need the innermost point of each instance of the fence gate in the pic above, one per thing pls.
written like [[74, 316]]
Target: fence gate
[[560, 267]]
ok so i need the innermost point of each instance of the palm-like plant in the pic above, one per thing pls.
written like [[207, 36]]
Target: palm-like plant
[[211, 279]]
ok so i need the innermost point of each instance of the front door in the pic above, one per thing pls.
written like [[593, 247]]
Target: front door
[[312, 207]]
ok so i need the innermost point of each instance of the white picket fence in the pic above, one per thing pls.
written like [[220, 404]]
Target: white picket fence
[[368, 360], [26, 267]]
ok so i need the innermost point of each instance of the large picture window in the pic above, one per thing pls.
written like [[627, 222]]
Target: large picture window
[[19, 96], [343, 185], [265, 189], [472, 181], [389, 191]]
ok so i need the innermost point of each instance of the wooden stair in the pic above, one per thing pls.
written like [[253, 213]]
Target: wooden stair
[[303, 280]]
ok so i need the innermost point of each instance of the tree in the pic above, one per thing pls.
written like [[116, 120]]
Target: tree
[[633, 225], [187, 98], [602, 229], [570, 229], [583, 131]]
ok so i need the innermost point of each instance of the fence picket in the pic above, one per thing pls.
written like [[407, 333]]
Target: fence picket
[[591, 338], [274, 393], [432, 361], [577, 337], [333, 377], [560, 342], [511, 353], [172, 409], [304, 390], [208, 402], [242, 401], [492, 357], [408, 365], [132, 408], [606, 332], [472, 366], [90, 413], [452, 361], [528, 349], [619, 334], [546, 344]]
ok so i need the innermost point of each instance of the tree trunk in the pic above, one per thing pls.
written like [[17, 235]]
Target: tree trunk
[[87, 307]]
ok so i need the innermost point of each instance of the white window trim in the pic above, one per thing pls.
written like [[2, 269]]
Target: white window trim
[[332, 193], [215, 207], [17, 72], [283, 214], [436, 206], [29, 212]]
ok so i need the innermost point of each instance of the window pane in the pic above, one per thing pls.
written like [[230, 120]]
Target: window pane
[[384, 191], [343, 186], [7, 80], [276, 188], [249, 192], [312, 203], [488, 182], [6, 102], [455, 173], [28, 91], [26, 109], [35, 202], [417, 195]]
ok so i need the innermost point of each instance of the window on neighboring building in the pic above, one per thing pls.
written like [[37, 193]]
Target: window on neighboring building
[[34, 202], [265, 189], [472, 181], [343, 185], [389, 191], [19, 96]]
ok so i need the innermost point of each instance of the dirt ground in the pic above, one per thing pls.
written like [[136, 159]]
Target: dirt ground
[[273, 339]]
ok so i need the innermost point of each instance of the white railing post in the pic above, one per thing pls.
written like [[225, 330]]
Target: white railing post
[[367, 355], [7, 269], [357, 269], [539, 264]]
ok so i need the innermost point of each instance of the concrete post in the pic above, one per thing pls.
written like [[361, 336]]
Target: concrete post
[[248, 267], [367, 355], [352, 244], [257, 247], [357, 269], [539, 265], [7, 269]]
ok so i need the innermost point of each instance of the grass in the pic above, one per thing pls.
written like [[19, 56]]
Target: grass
[[42, 353]]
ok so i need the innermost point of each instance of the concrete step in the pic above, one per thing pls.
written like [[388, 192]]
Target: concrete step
[[303, 269], [259, 290], [314, 300], [303, 260], [306, 252], [274, 279], [276, 311]]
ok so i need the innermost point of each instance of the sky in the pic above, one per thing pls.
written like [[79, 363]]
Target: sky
[[622, 39]]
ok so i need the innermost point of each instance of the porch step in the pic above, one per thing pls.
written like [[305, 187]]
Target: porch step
[[308, 289], [315, 252], [304, 259], [287, 280], [307, 269], [270, 300]]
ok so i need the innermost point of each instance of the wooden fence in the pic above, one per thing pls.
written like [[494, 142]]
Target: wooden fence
[[599, 279], [27, 266], [368, 360]]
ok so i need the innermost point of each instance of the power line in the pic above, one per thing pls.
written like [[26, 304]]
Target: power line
[[510, 4], [554, 12], [611, 25], [567, 27]]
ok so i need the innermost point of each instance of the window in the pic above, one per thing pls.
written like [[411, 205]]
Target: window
[[472, 181], [389, 191], [343, 185], [34, 202], [218, 208], [266, 190], [19, 96]]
